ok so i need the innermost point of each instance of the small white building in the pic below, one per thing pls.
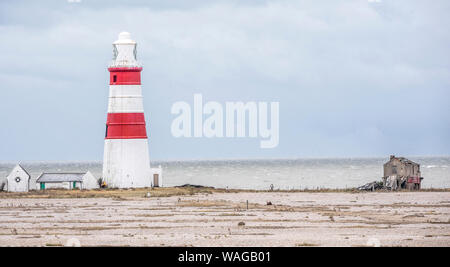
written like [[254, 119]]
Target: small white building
[[156, 176], [18, 180], [66, 180]]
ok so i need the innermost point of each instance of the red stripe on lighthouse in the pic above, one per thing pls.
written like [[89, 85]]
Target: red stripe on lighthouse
[[125, 126], [125, 76]]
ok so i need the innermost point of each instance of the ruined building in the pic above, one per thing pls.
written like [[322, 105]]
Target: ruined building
[[401, 173]]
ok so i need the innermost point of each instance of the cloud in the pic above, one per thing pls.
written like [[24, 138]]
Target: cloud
[[338, 68]]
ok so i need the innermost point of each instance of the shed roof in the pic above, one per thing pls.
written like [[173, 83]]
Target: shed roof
[[60, 177], [403, 160]]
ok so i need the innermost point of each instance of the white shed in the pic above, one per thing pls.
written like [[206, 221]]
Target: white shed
[[18, 180], [89, 181], [67, 180]]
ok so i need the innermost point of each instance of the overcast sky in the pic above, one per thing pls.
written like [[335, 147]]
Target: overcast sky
[[353, 78]]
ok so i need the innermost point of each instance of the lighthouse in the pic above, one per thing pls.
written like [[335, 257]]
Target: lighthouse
[[126, 162]]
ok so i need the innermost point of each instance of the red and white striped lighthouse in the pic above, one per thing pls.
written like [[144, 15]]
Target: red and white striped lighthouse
[[126, 162]]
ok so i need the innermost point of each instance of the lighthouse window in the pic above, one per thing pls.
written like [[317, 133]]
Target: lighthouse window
[[115, 52], [135, 52], [114, 78]]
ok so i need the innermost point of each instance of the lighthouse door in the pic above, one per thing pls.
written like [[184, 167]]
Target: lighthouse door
[[156, 180]]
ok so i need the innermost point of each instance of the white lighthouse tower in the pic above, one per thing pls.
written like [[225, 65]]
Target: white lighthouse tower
[[126, 162]]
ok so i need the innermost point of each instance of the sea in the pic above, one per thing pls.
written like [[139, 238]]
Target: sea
[[284, 174]]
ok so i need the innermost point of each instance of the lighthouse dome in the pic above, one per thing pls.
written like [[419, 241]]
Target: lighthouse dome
[[124, 35], [124, 38]]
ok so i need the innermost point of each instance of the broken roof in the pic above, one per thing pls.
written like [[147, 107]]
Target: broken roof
[[60, 177], [404, 160]]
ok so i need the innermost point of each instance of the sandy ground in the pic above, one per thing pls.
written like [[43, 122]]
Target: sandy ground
[[293, 219]]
